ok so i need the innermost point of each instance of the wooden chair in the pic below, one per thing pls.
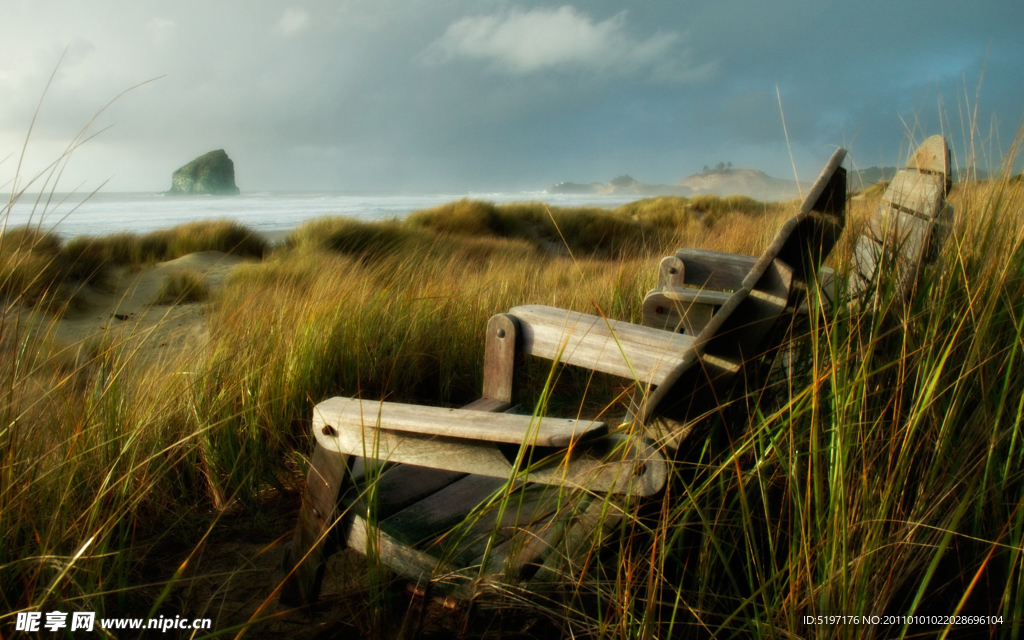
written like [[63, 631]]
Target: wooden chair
[[904, 233], [909, 224], [448, 497], [694, 284]]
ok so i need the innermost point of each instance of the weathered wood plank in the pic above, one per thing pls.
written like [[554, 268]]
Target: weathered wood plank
[[500, 356], [594, 517], [325, 479], [738, 337], [918, 193], [932, 156], [620, 348], [453, 454], [440, 511], [700, 296], [526, 545], [715, 269], [894, 229], [505, 519], [416, 565], [600, 327], [662, 310], [867, 255], [398, 487], [489, 405], [895, 240], [346, 414]]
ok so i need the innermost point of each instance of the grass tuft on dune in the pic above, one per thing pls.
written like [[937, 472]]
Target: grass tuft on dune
[[182, 286], [631, 230], [39, 269]]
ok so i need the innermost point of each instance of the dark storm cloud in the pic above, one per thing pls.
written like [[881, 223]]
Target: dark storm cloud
[[499, 95]]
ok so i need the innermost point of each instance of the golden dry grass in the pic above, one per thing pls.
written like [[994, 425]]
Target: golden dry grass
[[894, 445]]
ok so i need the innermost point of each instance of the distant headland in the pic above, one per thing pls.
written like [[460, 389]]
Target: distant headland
[[721, 180]]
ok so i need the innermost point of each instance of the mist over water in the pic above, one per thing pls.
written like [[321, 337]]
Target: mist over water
[[270, 213]]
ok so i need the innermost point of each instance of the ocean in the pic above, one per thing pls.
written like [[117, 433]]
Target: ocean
[[270, 213]]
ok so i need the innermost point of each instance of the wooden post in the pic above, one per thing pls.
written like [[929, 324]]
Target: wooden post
[[500, 357], [307, 557], [671, 272]]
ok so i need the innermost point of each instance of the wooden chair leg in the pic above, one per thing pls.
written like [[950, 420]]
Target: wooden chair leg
[[307, 557]]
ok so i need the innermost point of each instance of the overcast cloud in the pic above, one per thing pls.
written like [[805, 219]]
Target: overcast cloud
[[448, 96]]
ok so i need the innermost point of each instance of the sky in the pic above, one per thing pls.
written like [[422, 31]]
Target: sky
[[406, 96]]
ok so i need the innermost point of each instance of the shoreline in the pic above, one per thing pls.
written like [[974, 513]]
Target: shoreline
[[264, 212]]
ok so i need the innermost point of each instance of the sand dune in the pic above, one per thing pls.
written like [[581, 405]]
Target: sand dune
[[124, 313]]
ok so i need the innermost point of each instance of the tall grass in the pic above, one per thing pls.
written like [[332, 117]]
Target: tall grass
[[879, 472], [881, 476], [103, 460]]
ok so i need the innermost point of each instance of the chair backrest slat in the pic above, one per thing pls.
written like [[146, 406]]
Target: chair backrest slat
[[619, 348]]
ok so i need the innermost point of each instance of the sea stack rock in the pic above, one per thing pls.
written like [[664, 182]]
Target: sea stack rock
[[211, 173]]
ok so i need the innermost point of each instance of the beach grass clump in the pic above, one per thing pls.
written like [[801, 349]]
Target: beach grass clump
[[125, 248], [469, 218], [387, 243], [587, 231], [228, 236], [85, 458], [39, 269], [643, 227], [346, 236], [86, 261], [664, 212], [132, 249], [36, 269], [182, 286], [29, 267], [710, 206]]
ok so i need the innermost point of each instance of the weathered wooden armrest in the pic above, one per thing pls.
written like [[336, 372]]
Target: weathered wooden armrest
[[726, 270], [354, 414], [628, 350], [672, 306], [688, 295], [616, 463], [714, 269]]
